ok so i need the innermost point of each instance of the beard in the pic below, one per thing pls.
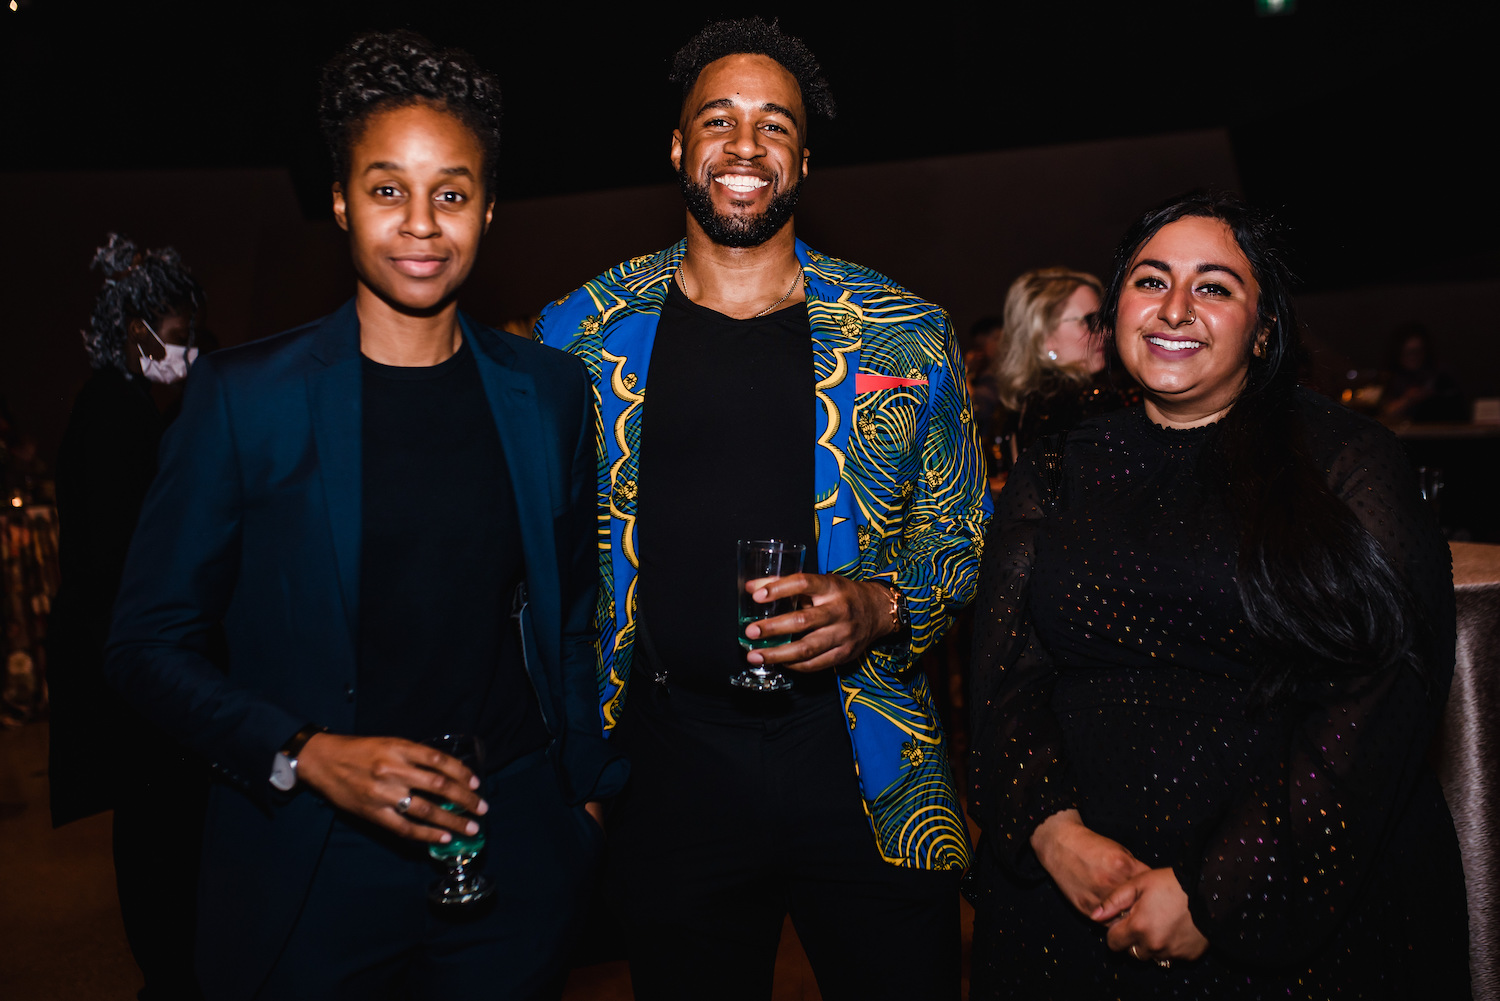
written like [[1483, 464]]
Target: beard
[[737, 230]]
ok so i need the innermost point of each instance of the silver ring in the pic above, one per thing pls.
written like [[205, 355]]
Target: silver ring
[[403, 804]]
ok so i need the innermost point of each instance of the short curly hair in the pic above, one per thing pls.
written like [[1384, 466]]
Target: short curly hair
[[752, 35], [381, 70], [138, 285]]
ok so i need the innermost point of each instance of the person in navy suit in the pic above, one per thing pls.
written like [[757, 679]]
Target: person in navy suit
[[389, 514]]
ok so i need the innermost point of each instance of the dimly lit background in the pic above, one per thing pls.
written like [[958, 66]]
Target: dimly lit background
[[970, 145]]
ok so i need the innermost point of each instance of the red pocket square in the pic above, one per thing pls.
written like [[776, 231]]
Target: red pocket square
[[865, 383]]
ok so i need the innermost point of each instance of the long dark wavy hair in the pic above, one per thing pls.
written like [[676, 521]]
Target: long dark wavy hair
[[138, 285], [1319, 593]]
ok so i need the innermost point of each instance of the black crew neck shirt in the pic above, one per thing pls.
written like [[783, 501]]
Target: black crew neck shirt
[[726, 454], [440, 558]]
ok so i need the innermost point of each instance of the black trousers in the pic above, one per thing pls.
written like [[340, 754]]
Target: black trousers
[[157, 840], [740, 810], [367, 931]]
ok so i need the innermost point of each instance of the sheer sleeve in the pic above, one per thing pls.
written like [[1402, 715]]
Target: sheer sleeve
[[1277, 873], [1018, 770]]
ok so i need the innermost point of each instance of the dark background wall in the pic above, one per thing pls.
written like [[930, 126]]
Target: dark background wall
[[955, 229], [960, 228], [973, 141]]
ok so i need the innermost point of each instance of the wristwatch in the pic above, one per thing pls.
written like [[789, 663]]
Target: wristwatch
[[284, 764]]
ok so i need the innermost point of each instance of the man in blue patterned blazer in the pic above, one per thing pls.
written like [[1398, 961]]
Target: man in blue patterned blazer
[[775, 375]]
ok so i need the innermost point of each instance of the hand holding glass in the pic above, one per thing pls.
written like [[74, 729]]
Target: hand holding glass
[[460, 886], [757, 559]]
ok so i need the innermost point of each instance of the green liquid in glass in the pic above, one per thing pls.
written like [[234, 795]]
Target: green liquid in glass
[[462, 847], [764, 641]]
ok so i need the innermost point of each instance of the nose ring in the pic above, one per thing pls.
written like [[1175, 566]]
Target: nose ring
[[1190, 319]]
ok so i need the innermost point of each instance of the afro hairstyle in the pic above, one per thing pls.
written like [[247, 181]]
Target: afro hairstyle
[[392, 69], [752, 35]]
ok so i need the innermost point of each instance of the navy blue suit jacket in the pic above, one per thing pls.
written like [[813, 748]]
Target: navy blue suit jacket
[[254, 522]]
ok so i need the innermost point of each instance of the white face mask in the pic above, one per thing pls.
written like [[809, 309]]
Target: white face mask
[[173, 367]]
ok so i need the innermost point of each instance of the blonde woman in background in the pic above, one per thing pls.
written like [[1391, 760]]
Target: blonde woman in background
[[1050, 370]]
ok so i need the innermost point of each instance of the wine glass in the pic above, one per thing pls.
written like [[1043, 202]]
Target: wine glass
[[460, 886], [1430, 479], [764, 558]]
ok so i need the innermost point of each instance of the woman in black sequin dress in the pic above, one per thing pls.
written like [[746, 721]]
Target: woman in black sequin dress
[[1212, 641]]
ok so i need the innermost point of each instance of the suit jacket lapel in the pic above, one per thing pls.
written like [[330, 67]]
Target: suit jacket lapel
[[512, 397], [334, 394], [837, 326]]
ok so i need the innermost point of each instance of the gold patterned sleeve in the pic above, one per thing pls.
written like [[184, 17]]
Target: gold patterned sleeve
[[936, 563]]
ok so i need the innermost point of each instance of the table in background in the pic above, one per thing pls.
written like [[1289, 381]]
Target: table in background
[[1468, 754], [1469, 457]]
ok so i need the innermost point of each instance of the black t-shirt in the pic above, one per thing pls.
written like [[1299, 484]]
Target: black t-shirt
[[726, 454], [440, 558]]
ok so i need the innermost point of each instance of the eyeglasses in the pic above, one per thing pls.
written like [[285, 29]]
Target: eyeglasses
[[1087, 319]]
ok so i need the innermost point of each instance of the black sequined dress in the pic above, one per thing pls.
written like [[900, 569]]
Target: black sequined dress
[[1060, 404], [1113, 673]]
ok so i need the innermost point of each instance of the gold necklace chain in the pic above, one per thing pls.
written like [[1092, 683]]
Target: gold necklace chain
[[682, 284]]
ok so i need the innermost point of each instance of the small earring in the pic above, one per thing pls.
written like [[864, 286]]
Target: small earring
[[1052, 356]]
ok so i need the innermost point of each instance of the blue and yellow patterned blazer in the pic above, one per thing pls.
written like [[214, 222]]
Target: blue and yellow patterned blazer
[[900, 498]]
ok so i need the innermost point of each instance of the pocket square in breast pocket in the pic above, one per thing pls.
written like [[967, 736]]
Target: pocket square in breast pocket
[[865, 382]]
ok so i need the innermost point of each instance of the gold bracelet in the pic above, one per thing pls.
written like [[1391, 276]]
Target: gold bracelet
[[900, 617]]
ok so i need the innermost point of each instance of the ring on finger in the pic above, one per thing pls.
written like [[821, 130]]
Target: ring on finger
[[1165, 964], [1135, 950], [404, 803]]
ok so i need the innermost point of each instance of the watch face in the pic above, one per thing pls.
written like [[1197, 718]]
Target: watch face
[[283, 772]]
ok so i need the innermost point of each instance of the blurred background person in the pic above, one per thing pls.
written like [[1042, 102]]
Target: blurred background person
[[140, 343], [28, 573], [1049, 369], [979, 371], [521, 325], [1415, 389]]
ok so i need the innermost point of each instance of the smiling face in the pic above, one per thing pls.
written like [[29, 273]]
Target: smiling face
[[414, 206], [738, 152], [1187, 321]]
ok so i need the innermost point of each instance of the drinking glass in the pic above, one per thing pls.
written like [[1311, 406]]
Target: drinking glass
[[1431, 480], [764, 558], [460, 886]]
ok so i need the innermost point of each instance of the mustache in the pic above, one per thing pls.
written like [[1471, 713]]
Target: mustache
[[747, 168], [738, 230]]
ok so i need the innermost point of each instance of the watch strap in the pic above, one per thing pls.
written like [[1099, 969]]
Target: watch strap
[[299, 740], [284, 764]]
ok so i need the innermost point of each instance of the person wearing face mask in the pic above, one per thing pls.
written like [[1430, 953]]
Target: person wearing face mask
[[141, 342], [172, 367]]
